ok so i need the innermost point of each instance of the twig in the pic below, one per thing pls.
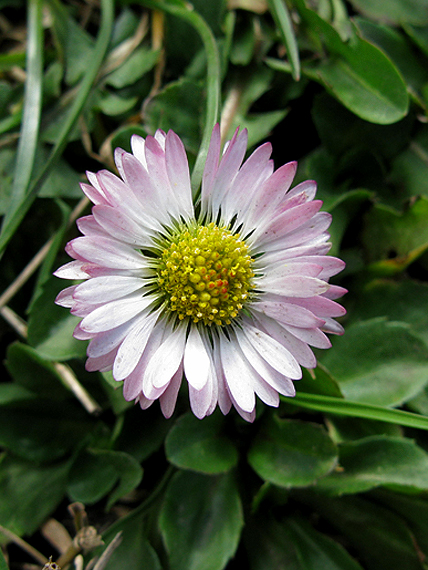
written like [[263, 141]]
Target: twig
[[24, 545], [105, 556], [37, 260], [15, 321], [70, 380]]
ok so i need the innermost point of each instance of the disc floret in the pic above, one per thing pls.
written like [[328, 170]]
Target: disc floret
[[205, 274]]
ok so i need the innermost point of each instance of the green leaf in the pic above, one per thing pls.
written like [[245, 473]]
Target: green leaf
[[142, 434], [56, 244], [111, 104], [50, 327], [201, 445], [317, 551], [245, 91], [348, 429], [63, 181], [259, 125], [269, 545], [395, 45], [244, 42], [358, 74], [379, 362], [319, 381], [378, 537], [395, 12], [130, 475], [134, 552], [138, 64], [365, 81], [96, 471], [414, 509], [419, 35], [26, 429], [201, 521], [343, 133], [11, 393], [405, 300], [392, 240], [409, 172], [178, 107], [30, 493], [376, 461], [344, 209], [29, 369], [292, 453], [75, 45]]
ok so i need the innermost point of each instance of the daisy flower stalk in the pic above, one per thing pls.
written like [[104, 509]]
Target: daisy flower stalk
[[229, 291]]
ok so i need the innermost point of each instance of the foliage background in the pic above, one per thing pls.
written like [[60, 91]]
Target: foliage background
[[338, 477]]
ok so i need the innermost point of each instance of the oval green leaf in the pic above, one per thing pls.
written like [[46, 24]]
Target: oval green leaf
[[376, 461], [292, 453], [379, 362], [200, 445], [201, 521]]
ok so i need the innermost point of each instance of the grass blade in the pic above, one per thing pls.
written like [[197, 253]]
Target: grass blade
[[32, 108], [282, 19], [107, 13], [343, 407]]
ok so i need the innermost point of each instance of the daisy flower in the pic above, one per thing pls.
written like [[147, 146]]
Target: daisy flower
[[228, 291]]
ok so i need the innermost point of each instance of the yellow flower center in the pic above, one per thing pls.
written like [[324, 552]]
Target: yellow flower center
[[205, 274]]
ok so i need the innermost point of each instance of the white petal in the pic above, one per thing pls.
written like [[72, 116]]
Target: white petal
[[273, 352], [288, 313], [121, 227], [101, 363], [115, 313], [178, 173], [133, 346], [224, 400], [271, 193], [314, 337], [65, 297], [298, 286], [237, 372], [210, 169], [104, 342], [166, 360], [255, 170], [201, 400], [228, 169], [277, 381], [333, 327], [107, 288], [196, 360], [144, 402], [72, 270], [299, 349], [81, 335], [289, 221], [134, 383], [168, 399], [321, 306], [88, 226], [106, 252], [137, 146]]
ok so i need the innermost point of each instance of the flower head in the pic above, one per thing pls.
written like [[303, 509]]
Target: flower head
[[229, 292]]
